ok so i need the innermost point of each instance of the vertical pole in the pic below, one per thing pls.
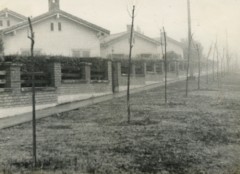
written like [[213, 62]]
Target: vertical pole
[[222, 71], [165, 63], [207, 70], [33, 95], [129, 66], [199, 67], [189, 47], [217, 67], [208, 61]]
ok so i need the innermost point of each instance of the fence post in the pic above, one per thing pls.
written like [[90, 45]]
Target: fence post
[[145, 68], [163, 67], [87, 72], [116, 76], [109, 65], [133, 70], [154, 68], [56, 74], [13, 76], [177, 68]]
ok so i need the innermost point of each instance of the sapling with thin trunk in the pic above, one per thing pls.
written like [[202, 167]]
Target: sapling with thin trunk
[[32, 39]]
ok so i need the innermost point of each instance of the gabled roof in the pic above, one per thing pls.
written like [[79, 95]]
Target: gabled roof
[[169, 39], [115, 37], [13, 13], [55, 13]]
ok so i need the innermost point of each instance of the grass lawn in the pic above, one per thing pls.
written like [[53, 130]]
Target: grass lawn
[[199, 134]]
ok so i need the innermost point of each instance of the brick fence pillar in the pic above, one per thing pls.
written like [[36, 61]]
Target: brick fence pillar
[[181, 66], [109, 64], [55, 73], [177, 68], [155, 67], [163, 67], [116, 69], [169, 64], [87, 72], [133, 69], [13, 76], [145, 68]]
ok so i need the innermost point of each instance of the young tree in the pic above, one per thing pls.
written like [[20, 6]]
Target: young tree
[[199, 66], [213, 62], [189, 47], [31, 37], [209, 52], [165, 63], [217, 56], [129, 65]]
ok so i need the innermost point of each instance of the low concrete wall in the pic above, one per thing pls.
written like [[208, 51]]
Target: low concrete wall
[[74, 92], [134, 80], [152, 76]]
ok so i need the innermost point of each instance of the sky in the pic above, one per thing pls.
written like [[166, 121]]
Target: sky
[[211, 19]]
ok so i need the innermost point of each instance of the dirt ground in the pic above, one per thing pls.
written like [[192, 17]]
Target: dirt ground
[[198, 134]]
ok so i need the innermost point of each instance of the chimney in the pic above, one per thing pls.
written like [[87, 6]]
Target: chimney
[[53, 5]]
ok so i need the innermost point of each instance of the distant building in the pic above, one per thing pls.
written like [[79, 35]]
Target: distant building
[[173, 46], [56, 33], [117, 45], [9, 18]]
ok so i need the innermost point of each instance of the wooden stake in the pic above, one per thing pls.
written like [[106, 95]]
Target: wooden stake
[[129, 66], [165, 63], [189, 46], [31, 37], [199, 66]]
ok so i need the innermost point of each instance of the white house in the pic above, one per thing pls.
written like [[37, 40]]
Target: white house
[[56, 33], [118, 45], [173, 46], [9, 18]]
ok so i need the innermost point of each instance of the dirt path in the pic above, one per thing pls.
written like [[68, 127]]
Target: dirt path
[[198, 134]]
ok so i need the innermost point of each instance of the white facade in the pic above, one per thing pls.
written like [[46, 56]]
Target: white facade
[[57, 33], [175, 48], [121, 46], [71, 37], [9, 18]]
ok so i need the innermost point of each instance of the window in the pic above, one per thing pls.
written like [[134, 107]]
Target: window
[[146, 55], [37, 52], [139, 69], [76, 53], [52, 26], [150, 67], [86, 53], [59, 26], [118, 56], [80, 53], [8, 23], [25, 52], [1, 23]]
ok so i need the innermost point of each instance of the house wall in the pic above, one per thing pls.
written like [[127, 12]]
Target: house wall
[[10, 99], [174, 47], [121, 46], [72, 36], [13, 20]]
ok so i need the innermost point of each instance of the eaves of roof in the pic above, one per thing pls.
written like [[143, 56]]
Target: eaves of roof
[[169, 39], [13, 13], [116, 37], [53, 13]]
